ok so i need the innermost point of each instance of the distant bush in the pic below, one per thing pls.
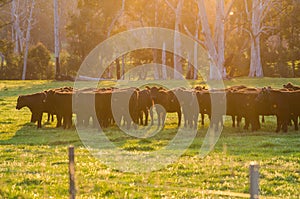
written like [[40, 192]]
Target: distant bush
[[38, 64], [10, 68], [69, 64]]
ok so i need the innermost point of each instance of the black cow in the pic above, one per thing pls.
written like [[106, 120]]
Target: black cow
[[36, 104], [290, 86], [276, 102], [190, 108], [166, 102], [103, 108], [145, 104]]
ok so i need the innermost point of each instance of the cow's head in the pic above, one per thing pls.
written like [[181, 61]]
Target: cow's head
[[21, 102], [263, 95]]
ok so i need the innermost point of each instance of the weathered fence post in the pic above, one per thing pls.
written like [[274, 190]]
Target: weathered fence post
[[254, 180], [72, 189]]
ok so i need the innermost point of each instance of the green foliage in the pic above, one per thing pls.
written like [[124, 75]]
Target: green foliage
[[85, 30], [69, 63], [11, 68], [38, 63]]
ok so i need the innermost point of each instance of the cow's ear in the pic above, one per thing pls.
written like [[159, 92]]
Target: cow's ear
[[147, 87]]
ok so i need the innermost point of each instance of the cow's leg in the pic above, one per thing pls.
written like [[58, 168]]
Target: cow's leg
[[238, 120], [263, 119], [158, 117], [295, 120], [79, 120], [59, 119], [86, 121], [285, 125], [64, 121], [233, 120], [278, 124], [202, 119], [179, 118], [191, 120], [246, 127], [186, 119], [70, 120], [151, 116], [48, 119], [255, 123], [141, 117], [196, 120], [163, 118], [52, 117], [146, 116], [128, 123], [34, 117], [39, 120]]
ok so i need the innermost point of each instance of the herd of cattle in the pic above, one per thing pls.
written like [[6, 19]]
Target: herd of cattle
[[108, 106]]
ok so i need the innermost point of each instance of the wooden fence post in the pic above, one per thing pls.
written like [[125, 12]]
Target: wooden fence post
[[72, 189], [254, 180]]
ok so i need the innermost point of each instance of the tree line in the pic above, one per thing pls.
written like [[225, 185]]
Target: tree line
[[252, 38]]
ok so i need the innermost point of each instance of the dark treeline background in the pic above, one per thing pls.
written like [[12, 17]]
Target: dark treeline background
[[85, 23]]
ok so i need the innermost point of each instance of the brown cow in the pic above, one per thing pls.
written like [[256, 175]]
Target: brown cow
[[190, 108], [145, 104], [36, 104], [166, 102]]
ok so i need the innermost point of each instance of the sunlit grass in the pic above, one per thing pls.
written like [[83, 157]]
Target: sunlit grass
[[34, 162]]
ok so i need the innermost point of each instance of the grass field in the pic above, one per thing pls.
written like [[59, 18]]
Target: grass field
[[34, 162]]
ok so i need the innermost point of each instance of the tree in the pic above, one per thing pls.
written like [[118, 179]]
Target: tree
[[56, 39], [256, 17], [177, 40], [38, 63], [27, 39], [215, 44]]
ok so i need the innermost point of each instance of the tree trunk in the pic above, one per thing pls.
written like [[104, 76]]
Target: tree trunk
[[255, 60], [27, 40], [196, 59], [189, 73], [156, 67], [56, 39], [123, 67], [119, 14], [164, 67], [118, 69], [177, 42], [16, 32], [220, 35], [216, 68], [2, 65]]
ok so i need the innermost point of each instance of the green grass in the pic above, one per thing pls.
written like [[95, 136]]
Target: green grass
[[34, 162]]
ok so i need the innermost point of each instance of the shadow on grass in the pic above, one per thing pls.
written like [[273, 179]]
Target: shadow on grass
[[235, 140], [28, 134]]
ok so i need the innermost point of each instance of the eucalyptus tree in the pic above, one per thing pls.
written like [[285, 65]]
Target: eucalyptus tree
[[257, 12], [214, 41]]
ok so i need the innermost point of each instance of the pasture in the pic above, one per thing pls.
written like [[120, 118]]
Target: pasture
[[34, 162]]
